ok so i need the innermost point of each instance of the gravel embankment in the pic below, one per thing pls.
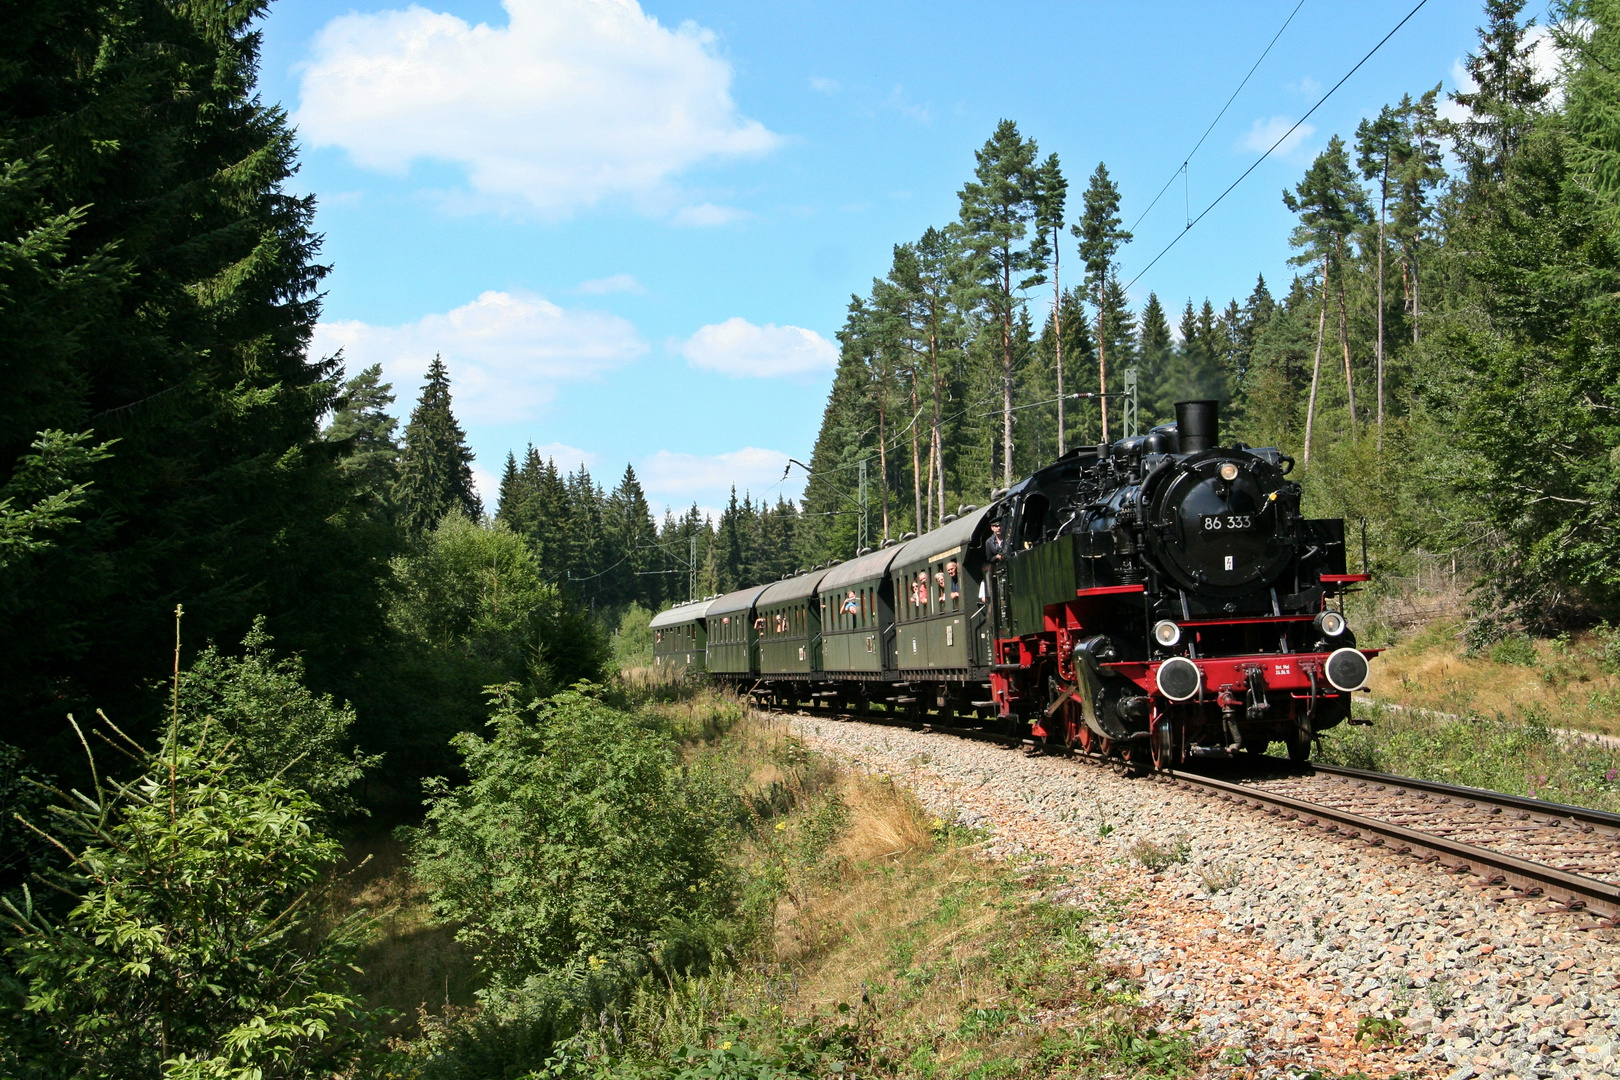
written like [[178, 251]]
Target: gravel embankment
[[1275, 941]]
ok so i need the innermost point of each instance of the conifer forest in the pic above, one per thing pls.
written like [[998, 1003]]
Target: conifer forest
[[250, 616]]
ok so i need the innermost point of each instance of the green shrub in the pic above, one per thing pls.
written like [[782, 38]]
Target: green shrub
[[191, 943], [578, 844], [278, 727], [1514, 649]]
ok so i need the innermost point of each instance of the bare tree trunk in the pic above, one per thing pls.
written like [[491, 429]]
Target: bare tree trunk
[[1414, 295], [916, 458], [1316, 369], [1382, 203], [883, 467], [1006, 384], [1102, 356], [1057, 334], [936, 456], [1344, 341]]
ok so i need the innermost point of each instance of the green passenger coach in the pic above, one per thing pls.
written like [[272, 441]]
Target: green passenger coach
[[680, 637], [857, 614], [733, 632], [940, 618], [790, 625]]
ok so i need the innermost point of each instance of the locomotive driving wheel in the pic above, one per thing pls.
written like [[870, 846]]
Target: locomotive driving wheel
[[1299, 739], [1163, 744]]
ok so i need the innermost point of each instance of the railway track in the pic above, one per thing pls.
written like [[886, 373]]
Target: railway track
[[1566, 856]]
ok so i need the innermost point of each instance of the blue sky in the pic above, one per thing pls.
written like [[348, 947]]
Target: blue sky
[[632, 231]]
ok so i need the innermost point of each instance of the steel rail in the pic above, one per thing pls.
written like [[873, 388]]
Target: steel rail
[[1582, 815], [1574, 892]]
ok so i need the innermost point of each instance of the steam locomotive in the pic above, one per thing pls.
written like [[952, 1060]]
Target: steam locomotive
[[1157, 599]]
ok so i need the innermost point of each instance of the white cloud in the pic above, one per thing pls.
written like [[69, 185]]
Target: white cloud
[[676, 478], [737, 347], [616, 283], [705, 215], [568, 458], [488, 488], [1264, 133], [506, 351], [824, 86], [572, 102]]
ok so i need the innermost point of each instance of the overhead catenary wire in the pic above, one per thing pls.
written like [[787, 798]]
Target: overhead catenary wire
[[1284, 138], [1182, 168]]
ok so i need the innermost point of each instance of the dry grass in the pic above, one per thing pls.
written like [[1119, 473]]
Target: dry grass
[[1563, 681], [411, 966]]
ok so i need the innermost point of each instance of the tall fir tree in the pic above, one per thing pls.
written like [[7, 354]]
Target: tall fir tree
[[435, 468], [160, 287], [363, 431], [1507, 97]]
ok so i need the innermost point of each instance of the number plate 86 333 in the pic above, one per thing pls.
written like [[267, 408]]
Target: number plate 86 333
[[1228, 522]]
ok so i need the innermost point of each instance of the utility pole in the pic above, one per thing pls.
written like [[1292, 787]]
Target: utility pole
[[1130, 402], [863, 540], [691, 579]]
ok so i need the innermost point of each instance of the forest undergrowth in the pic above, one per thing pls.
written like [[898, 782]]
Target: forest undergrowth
[[866, 939]]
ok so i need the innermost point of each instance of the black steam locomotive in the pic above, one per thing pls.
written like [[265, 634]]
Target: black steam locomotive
[[1157, 598]]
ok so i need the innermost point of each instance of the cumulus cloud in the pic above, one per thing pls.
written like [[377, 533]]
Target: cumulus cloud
[[572, 102], [1264, 133], [507, 352], [737, 347], [677, 478], [568, 458], [614, 284], [706, 215], [824, 86]]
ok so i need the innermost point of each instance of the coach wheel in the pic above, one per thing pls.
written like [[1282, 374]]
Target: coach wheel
[[1163, 742], [1299, 739]]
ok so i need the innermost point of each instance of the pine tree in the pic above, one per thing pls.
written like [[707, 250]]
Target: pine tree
[[1054, 190], [1331, 206], [630, 523], [364, 432], [1153, 362], [1100, 240], [1422, 170], [435, 470], [996, 211]]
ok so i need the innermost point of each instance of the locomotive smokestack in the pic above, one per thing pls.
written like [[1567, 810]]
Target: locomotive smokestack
[[1198, 423]]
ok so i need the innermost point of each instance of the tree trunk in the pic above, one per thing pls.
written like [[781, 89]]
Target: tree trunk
[[1006, 382], [1102, 356], [883, 469], [936, 464], [1414, 294], [1316, 369], [1057, 334], [1383, 201], [1344, 341], [916, 458]]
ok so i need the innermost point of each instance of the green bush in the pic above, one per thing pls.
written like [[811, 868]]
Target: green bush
[[633, 641], [1514, 649], [191, 944], [278, 727], [578, 843]]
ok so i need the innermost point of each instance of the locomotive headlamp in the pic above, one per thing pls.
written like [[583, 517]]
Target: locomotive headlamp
[[1166, 633], [1331, 623], [1229, 472]]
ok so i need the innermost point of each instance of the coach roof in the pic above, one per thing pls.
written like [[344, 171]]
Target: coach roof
[[946, 538], [733, 602], [869, 566], [794, 588], [690, 611]]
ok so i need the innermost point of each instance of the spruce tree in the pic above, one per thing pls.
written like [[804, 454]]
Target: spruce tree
[[1507, 96], [160, 288], [435, 469], [630, 522], [1153, 357]]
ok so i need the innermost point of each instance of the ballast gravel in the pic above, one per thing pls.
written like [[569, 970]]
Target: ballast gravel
[[1279, 944]]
